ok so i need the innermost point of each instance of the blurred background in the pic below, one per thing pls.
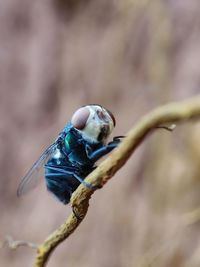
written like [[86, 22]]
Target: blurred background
[[129, 56]]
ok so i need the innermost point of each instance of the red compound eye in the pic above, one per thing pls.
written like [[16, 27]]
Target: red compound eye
[[80, 118]]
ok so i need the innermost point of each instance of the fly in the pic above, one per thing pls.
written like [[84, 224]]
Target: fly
[[73, 155]]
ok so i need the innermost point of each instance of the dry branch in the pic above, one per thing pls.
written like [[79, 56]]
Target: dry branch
[[174, 112], [14, 244]]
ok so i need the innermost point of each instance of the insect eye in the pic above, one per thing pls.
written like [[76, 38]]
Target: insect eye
[[80, 118], [112, 117]]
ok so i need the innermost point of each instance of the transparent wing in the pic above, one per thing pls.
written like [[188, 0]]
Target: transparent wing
[[29, 181]]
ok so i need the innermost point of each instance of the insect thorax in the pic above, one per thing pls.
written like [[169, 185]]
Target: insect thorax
[[75, 149]]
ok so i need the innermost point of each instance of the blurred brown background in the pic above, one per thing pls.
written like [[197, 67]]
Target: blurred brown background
[[130, 56]]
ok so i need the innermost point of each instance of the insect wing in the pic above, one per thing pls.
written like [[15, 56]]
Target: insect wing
[[29, 181]]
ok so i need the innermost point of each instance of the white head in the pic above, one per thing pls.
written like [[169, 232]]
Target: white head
[[94, 122]]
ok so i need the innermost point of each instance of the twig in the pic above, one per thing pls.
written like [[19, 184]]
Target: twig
[[170, 113], [14, 244], [169, 128]]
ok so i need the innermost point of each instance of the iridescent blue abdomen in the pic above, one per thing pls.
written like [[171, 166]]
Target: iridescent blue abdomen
[[70, 164]]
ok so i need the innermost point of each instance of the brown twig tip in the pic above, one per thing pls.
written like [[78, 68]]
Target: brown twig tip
[[165, 115], [169, 128]]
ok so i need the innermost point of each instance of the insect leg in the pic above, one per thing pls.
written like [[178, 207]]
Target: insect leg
[[68, 171], [96, 155], [59, 186]]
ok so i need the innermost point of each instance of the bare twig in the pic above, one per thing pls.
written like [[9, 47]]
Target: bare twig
[[14, 244], [169, 128], [174, 112]]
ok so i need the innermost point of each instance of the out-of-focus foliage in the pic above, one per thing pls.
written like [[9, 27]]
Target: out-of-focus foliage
[[129, 56]]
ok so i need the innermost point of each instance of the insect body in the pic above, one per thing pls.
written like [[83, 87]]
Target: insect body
[[73, 155]]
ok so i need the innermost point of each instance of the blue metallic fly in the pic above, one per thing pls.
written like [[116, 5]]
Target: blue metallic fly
[[73, 155]]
